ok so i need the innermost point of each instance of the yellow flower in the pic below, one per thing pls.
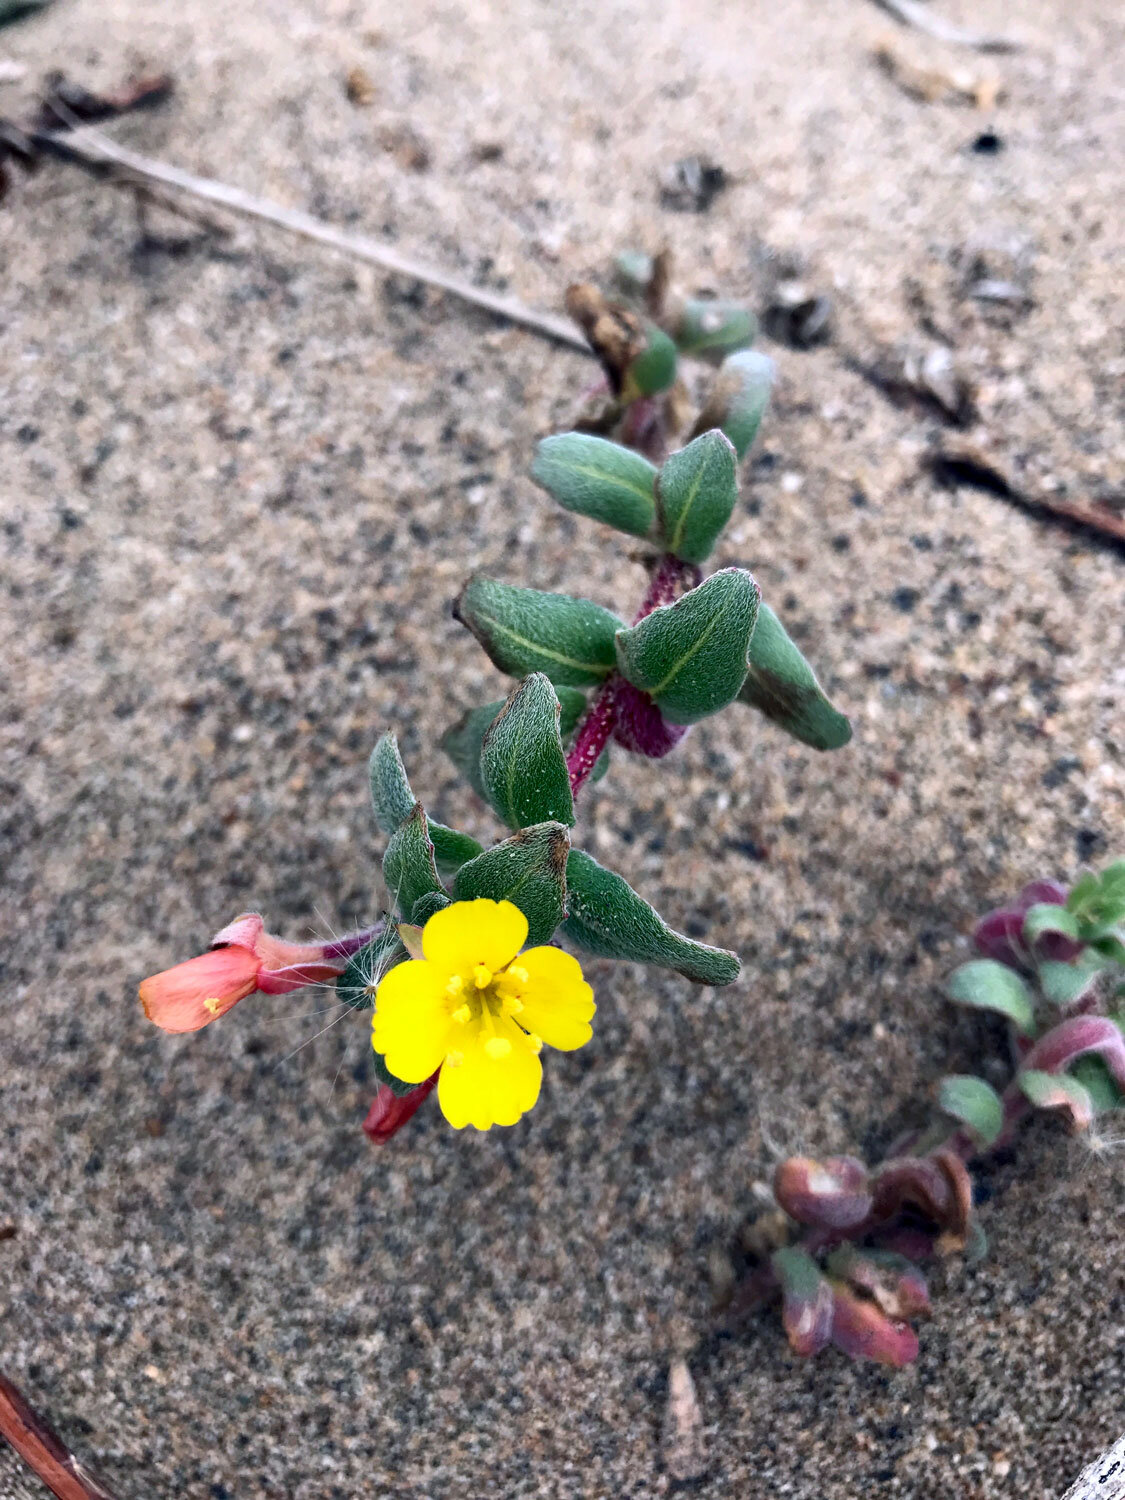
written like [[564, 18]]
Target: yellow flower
[[470, 1009]]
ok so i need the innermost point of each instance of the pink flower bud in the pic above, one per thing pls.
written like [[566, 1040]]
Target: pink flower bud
[[389, 1111], [244, 957]]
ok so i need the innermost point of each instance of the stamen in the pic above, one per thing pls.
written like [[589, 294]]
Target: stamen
[[455, 985], [482, 977], [462, 1015], [511, 1006], [497, 1047], [213, 1004], [518, 973], [455, 1059], [534, 1042]]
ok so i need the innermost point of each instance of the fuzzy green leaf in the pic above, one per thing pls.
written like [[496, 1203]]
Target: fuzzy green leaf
[[1098, 901], [597, 478], [1063, 983], [526, 630], [408, 864], [696, 492], [425, 906], [738, 398], [1048, 917], [462, 743], [975, 1103], [391, 796], [781, 684], [690, 657], [712, 326], [393, 802], [1092, 1073], [451, 848], [522, 764], [529, 869], [608, 918], [985, 984], [654, 368]]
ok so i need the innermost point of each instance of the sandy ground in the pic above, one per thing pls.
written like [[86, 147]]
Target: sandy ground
[[241, 484]]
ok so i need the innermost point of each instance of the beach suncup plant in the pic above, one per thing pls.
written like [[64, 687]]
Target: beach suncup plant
[[842, 1258], [462, 977]]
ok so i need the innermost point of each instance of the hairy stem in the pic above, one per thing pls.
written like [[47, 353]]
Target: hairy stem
[[669, 579]]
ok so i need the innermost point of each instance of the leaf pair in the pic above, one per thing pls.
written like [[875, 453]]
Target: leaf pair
[[528, 869], [685, 505]]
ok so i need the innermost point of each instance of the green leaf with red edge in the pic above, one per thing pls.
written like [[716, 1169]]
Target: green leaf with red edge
[[1057, 1091]]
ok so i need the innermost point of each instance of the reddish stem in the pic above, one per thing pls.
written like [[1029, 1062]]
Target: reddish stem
[[668, 581], [43, 1451], [593, 733]]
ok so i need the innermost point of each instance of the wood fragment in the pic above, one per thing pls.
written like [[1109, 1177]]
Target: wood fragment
[[684, 1447], [98, 153], [43, 1451], [911, 13], [1104, 1479], [969, 466], [933, 85]]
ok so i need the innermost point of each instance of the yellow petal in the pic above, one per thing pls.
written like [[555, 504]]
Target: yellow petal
[[558, 1004], [411, 1024], [486, 1090], [470, 933]]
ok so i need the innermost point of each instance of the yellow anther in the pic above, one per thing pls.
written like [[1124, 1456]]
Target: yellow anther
[[455, 1059], [518, 973], [462, 1015], [482, 977], [511, 1006], [534, 1042], [497, 1047], [214, 1005], [454, 985]]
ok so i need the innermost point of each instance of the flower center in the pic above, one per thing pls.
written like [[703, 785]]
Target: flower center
[[485, 998]]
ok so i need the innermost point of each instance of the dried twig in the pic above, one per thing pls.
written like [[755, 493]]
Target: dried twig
[[44, 1452], [94, 151], [911, 13]]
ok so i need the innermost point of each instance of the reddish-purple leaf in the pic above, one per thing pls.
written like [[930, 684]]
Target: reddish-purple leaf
[[1063, 1044], [830, 1194], [893, 1283], [862, 1331], [640, 726]]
